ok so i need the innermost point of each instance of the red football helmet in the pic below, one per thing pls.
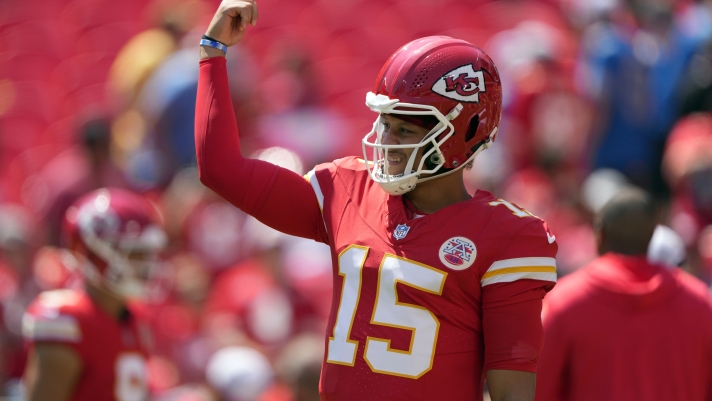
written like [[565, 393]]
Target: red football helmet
[[449, 79], [115, 225]]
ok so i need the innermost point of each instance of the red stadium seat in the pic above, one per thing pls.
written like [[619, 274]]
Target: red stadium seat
[[501, 15], [278, 13], [62, 131], [87, 14], [35, 99], [18, 133], [476, 36], [20, 11], [109, 38], [348, 15], [339, 75], [428, 18], [49, 37], [83, 70], [28, 67]]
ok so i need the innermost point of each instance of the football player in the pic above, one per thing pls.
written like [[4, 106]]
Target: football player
[[88, 345], [435, 289]]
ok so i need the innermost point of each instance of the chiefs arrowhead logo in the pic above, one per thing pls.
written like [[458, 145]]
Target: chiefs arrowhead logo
[[463, 84]]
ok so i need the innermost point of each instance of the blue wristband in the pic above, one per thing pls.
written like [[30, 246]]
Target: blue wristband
[[212, 43]]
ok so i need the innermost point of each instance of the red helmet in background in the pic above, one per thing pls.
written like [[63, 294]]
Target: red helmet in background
[[450, 80], [122, 230]]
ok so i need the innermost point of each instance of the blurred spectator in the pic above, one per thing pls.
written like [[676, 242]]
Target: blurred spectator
[[292, 106], [213, 231], [283, 288], [239, 374], [697, 86], [633, 70], [79, 170], [687, 166], [178, 320], [179, 200], [613, 329], [144, 52], [548, 121], [166, 102], [252, 294], [696, 19], [601, 186], [299, 365]]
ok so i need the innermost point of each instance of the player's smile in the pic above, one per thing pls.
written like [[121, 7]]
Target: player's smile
[[395, 158], [398, 132]]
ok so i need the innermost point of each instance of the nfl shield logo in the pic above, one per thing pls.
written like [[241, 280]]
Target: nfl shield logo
[[401, 231]]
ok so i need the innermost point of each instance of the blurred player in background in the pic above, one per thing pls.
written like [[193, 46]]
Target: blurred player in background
[[622, 328], [88, 345], [434, 288]]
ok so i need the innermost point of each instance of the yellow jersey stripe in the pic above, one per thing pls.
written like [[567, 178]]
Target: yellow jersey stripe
[[508, 270], [521, 269]]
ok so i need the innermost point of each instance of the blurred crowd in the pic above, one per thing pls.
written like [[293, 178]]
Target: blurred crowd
[[599, 95]]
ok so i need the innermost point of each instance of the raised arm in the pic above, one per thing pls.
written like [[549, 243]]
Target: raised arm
[[276, 196]]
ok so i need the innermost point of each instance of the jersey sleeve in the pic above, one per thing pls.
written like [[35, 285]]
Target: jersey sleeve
[[275, 196], [52, 320], [335, 184], [513, 288]]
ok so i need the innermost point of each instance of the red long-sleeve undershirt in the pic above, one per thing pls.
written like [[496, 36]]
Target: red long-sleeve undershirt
[[275, 196]]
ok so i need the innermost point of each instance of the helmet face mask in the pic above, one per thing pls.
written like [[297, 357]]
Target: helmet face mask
[[396, 184], [134, 274], [448, 79]]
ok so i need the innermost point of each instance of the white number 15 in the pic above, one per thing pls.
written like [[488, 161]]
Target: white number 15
[[388, 311]]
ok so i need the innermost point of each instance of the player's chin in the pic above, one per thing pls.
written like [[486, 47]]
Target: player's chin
[[396, 169]]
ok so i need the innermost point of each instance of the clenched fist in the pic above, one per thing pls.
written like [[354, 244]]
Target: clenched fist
[[231, 19]]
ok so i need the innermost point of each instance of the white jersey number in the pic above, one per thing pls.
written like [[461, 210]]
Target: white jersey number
[[131, 383], [388, 311]]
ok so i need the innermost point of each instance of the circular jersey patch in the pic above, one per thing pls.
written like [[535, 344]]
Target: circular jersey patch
[[458, 253]]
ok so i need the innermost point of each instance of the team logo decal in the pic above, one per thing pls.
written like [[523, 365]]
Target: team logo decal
[[458, 253], [401, 231], [463, 84]]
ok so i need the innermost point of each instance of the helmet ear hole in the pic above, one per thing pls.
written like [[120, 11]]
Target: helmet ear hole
[[472, 128]]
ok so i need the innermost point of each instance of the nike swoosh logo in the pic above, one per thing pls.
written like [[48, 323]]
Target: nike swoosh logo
[[550, 238]]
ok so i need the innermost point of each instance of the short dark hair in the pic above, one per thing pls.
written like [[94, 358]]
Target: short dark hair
[[627, 222]]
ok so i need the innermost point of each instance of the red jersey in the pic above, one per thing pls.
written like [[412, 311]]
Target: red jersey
[[113, 352], [411, 299], [624, 329]]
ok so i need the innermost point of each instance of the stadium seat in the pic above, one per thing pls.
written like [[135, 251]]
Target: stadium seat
[[109, 38]]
